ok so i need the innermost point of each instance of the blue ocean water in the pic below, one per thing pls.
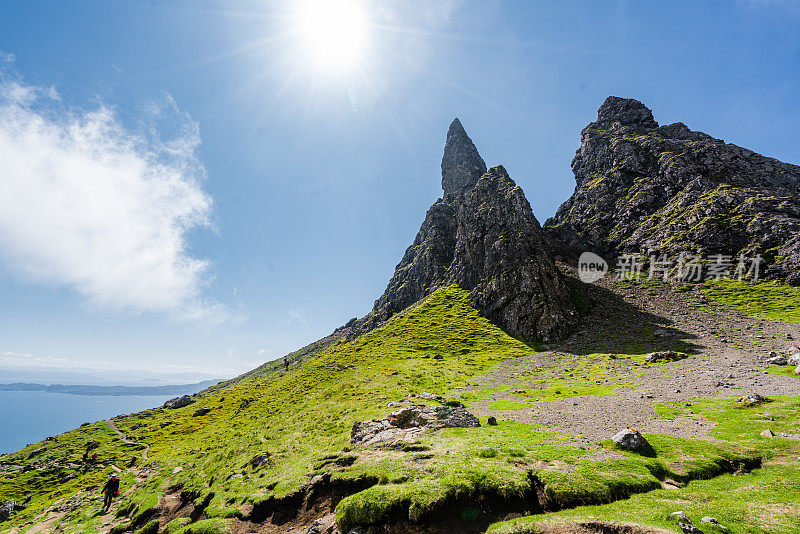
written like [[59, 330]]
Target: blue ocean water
[[30, 416]]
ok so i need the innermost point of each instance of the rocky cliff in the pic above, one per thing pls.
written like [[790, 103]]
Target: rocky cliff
[[645, 188], [482, 236]]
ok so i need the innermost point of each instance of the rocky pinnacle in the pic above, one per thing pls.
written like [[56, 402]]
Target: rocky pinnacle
[[462, 166], [483, 237]]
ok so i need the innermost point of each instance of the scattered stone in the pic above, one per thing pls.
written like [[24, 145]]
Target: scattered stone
[[178, 402], [629, 439], [491, 421], [136, 426], [177, 470], [767, 434], [260, 460], [794, 349], [409, 422], [689, 528], [750, 399], [201, 411], [680, 516], [437, 357], [663, 356], [797, 371]]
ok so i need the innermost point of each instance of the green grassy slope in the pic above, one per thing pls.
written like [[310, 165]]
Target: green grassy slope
[[769, 300], [301, 419], [764, 500]]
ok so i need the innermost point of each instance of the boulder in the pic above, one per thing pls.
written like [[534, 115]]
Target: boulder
[[767, 434], [409, 422], [9, 507], [663, 356], [778, 360], [797, 371], [629, 439], [751, 398], [92, 445], [6, 508], [491, 421], [178, 402], [689, 528], [201, 411], [710, 520], [794, 349], [794, 360], [682, 517], [260, 460]]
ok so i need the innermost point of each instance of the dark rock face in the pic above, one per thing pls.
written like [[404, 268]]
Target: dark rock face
[[645, 188], [462, 166], [482, 236]]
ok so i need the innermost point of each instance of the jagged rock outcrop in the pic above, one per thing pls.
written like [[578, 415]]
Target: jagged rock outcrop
[[482, 236], [645, 188], [408, 423]]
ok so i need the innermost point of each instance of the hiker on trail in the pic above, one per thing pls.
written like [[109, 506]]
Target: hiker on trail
[[110, 490]]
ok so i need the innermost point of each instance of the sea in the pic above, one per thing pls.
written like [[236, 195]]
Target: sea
[[30, 416]]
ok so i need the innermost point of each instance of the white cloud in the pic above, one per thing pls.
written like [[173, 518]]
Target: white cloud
[[298, 315], [96, 207]]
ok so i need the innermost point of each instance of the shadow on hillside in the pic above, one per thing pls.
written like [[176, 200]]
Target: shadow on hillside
[[614, 325]]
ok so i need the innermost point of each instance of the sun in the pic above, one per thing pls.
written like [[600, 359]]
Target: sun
[[333, 32]]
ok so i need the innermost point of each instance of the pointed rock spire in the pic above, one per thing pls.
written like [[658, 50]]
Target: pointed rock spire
[[462, 166]]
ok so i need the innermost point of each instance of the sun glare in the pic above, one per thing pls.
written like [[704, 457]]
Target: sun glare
[[333, 32]]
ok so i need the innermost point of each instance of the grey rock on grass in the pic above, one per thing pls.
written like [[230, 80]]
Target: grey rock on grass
[[629, 439], [409, 422]]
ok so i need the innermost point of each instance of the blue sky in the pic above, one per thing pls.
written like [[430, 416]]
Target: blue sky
[[194, 187]]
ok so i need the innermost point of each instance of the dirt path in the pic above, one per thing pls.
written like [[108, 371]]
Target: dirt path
[[728, 352], [125, 438]]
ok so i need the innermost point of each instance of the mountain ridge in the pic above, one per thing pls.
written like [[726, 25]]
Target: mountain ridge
[[666, 190]]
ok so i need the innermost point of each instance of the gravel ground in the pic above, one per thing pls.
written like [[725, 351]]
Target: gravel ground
[[727, 357]]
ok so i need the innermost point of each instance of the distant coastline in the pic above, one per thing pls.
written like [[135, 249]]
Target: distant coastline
[[114, 391]]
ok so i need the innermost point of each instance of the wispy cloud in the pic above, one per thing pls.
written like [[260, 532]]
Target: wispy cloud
[[94, 206], [298, 315], [6, 57]]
